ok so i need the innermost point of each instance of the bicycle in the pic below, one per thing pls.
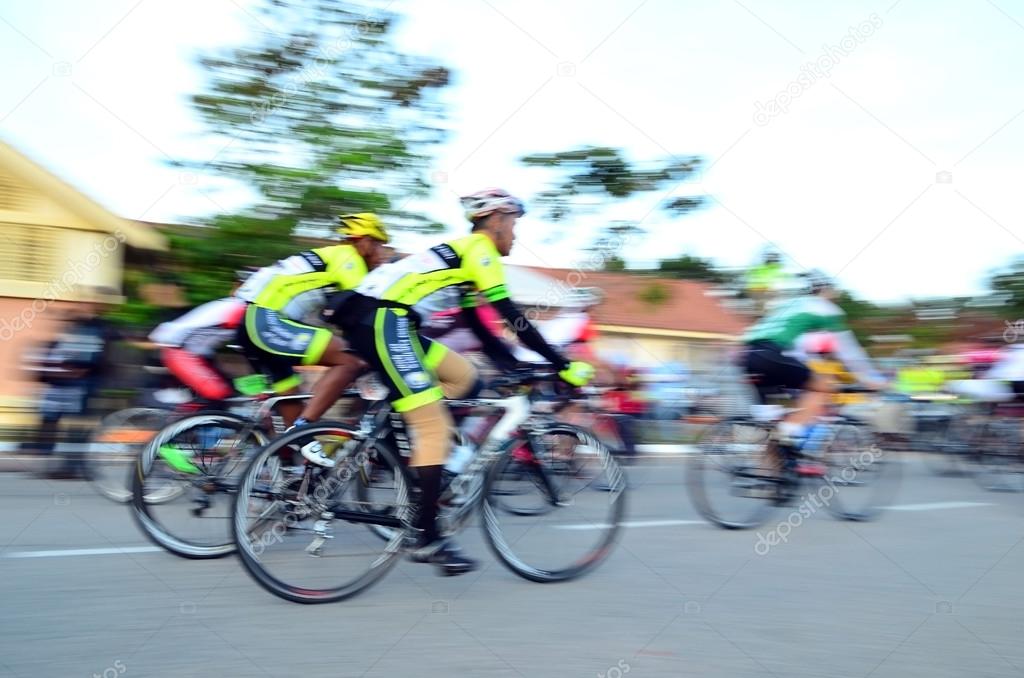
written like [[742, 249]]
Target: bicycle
[[288, 522], [196, 458], [741, 451]]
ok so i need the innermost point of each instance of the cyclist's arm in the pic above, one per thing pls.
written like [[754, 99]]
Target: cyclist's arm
[[527, 333], [492, 346], [855, 358], [488, 277]]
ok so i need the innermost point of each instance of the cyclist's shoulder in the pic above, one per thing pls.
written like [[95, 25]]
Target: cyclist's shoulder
[[337, 254], [809, 304], [475, 244]]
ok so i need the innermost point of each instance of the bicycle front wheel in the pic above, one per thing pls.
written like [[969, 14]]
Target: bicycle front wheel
[[301, 530], [861, 478], [554, 506], [116, 444], [196, 459]]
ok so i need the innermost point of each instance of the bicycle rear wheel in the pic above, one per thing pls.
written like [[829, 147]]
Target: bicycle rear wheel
[[542, 518], [728, 480], [198, 459], [301, 531], [998, 463], [114, 447]]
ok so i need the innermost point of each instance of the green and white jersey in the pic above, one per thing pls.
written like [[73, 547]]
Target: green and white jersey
[[797, 317]]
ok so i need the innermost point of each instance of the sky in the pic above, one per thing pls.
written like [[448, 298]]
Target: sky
[[877, 141]]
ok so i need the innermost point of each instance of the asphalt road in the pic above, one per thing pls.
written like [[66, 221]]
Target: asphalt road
[[931, 589]]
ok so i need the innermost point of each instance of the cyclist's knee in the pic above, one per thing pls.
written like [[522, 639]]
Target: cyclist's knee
[[429, 429], [819, 384]]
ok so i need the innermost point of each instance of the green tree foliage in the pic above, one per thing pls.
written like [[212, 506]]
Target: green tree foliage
[[320, 115], [589, 178], [687, 267], [654, 294], [1009, 283]]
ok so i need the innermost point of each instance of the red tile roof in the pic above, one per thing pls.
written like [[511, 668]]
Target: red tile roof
[[630, 299]]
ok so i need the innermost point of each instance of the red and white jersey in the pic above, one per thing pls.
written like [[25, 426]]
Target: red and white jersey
[[204, 329]]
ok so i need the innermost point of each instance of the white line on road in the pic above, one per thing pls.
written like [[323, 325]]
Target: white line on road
[[934, 506], [937, 506], [70, 553], [631, 523], [66, 553]]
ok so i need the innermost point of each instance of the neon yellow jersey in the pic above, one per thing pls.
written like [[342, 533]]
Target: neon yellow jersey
[[299, 285], [472, 263]]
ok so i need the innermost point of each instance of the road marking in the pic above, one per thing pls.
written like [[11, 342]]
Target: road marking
[[68, 553], [937, 506], [630, 523]]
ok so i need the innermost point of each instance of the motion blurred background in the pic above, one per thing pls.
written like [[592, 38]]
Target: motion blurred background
[[682, 163], [151, 152]]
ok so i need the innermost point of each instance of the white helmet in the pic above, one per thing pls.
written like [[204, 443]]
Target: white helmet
[[817, 280], [490, 200]]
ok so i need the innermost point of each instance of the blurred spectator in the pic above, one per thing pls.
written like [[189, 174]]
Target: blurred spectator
[[625, 404], [70, 369]]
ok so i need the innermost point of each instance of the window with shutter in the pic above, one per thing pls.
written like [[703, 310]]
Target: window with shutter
[[27, 252], [13, 196]]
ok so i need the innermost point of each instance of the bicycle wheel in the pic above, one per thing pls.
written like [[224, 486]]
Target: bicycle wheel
[[578, 529], [198, 458], [953, 451], [517, 492], [997, 455], [115, 445], [375, 479], [728, 480], [301, 530], [860, 478]]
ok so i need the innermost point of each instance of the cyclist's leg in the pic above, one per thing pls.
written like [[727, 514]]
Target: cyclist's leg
[[198, 373], [393, 347], [343, 368], [269, 342], [458, 377]]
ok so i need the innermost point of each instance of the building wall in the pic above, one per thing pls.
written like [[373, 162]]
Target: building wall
[[30, 310], [47, 251], [652, 350], [17, 387]]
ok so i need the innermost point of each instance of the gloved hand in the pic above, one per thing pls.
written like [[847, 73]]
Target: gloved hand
[[578, 373]]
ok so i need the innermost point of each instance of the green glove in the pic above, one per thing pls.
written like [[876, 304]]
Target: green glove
[[577, 373]]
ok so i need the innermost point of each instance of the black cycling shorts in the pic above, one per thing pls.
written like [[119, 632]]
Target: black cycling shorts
[[772, 370], [389, 340]]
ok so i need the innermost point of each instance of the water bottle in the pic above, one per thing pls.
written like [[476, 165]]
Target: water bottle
[[459, 458]]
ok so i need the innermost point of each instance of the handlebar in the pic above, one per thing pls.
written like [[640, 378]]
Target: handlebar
[[525, 377]]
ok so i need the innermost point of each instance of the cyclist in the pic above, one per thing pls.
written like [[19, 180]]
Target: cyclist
[[767, 280], [189, 342], [772, 357], [283, 297], [382, 326]]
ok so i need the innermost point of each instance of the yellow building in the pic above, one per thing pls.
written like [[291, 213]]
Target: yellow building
[[56, 246]]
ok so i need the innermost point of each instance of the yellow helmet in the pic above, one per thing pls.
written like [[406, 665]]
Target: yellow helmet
[[363, 224]]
